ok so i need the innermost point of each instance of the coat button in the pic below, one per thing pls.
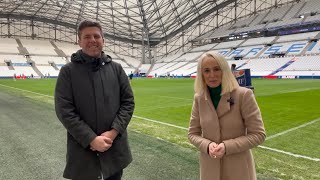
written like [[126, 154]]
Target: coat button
[[97, 154]]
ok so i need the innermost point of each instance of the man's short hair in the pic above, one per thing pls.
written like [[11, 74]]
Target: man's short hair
[[88, 23]]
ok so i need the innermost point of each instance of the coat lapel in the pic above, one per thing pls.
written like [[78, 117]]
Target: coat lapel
[[209, 101], [224, 105]]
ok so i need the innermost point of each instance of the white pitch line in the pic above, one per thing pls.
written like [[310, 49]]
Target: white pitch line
[[172, 125], [156, 108], [155, 121], [159, 122], [292, 129], [263, 147], [290, 154], [177, 98], [285, 92], [26, 91]]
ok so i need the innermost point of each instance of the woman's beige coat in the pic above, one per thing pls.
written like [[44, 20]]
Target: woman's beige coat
[[239, 125]]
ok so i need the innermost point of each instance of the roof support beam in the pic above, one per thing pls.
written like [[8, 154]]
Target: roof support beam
[[41, 19], [68, 25], [145, 33], [197, 19]]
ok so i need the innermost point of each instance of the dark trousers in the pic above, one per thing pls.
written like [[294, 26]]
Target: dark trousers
[[116, 176]]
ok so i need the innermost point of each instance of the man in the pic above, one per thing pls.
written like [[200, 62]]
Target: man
[[233, 67], [94, 102], [130, 77]]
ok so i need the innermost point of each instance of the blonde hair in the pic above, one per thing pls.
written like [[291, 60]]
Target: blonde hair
[[228, 83]]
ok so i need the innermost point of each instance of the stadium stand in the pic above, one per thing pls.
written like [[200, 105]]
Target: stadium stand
[[38, 47], [67, 48], [9, 46], [130, 60], [203, 48], [188, 57]]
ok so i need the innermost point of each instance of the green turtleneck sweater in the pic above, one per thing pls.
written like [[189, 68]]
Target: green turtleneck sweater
[[215, 94]]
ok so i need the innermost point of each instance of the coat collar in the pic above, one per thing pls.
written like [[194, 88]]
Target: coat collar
[[81, 57], [223, 106], [94, 63]]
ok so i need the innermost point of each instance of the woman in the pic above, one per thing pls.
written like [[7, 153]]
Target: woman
[[225, 122]]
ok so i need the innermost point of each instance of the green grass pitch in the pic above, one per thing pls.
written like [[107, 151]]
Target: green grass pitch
[[290, 110]]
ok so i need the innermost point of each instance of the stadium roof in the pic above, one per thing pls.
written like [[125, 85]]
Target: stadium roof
[[125, 20]]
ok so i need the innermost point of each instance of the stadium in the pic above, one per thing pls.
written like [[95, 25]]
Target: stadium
[[160, 42]]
